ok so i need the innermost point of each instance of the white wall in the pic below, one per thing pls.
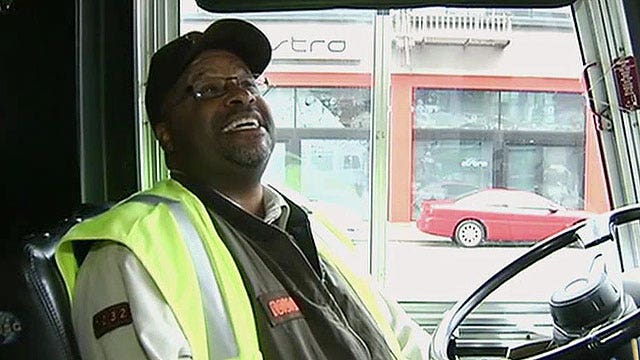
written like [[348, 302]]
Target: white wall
[[340, 47]]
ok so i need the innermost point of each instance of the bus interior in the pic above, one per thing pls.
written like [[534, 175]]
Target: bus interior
[[481, 157]]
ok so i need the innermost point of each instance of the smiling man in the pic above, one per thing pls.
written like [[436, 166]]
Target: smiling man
[[212, 264]]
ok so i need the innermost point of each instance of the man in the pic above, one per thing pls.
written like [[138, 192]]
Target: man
[[212, 264]]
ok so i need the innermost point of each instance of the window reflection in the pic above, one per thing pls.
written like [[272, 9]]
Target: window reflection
[[465, 109], [281, 99], [323, 107], [445, 169], [506, 110], [333, 107], [531, 141], [276, 169], [555, 172], [338, 165], [323, 146], [541, 111]]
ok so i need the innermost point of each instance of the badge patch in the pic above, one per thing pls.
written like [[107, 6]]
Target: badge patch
[[111, 318], [10, 328], [280, 307]]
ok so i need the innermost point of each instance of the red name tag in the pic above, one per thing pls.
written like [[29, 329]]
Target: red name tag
[[280, 307]]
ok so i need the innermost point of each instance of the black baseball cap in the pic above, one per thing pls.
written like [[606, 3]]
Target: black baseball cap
[[167, 64]]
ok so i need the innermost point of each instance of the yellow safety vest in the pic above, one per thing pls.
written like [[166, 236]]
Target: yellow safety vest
[[154, 234]]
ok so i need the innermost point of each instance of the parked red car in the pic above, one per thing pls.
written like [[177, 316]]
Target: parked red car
[[497, 215]]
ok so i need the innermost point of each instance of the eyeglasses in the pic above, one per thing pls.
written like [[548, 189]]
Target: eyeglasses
[[217, 86]]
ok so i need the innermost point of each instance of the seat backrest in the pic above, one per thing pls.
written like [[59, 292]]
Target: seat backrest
[[35, 315]]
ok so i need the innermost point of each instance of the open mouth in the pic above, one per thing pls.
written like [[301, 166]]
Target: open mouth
[[241, 125]]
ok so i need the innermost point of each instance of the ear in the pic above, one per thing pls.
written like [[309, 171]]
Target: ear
[[163, 134]]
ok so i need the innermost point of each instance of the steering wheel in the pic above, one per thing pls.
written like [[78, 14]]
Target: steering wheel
[[606, 338]]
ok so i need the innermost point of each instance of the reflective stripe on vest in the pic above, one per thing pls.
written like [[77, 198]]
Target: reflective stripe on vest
[[220, 337]]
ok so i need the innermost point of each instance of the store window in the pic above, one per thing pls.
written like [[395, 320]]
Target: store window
[[280, 98], [340, 165], [446, 169], [554, 172], [317, 154], [542, 162], [333, 108], [541, 111], [464, 109]]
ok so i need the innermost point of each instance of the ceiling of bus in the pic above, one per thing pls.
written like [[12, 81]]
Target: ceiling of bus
[[282, 5]]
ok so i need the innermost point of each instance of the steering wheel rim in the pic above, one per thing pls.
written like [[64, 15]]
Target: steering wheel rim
[[614, 334]]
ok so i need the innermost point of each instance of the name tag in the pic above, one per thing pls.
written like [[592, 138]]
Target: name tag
[[111, 318], [280, 307]]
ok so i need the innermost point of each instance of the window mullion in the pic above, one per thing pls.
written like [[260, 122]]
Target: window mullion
[[156, 22], [379, 180]]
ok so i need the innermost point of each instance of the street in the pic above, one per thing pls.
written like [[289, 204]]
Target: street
[[427, 268]]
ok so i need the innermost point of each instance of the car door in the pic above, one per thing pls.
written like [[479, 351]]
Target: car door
[[534, 218]]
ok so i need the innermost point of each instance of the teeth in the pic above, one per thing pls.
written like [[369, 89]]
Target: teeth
[[241, 124]]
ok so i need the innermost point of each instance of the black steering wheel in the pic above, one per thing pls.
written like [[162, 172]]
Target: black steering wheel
[[605, 339]]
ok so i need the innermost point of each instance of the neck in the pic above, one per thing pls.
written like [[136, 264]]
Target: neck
[[246, 192], [249, 198]]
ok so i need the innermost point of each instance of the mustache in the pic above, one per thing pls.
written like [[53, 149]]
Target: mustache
[[244, 112], [252, 112]]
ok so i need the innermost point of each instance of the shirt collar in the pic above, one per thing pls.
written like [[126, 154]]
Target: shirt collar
[[276, 208]]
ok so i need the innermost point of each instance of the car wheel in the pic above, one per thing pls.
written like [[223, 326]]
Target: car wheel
[[469, 233]]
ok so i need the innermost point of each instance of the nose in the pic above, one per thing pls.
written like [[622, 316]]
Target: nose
[[236, 95]]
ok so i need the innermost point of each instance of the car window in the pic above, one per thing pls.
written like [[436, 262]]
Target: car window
[[530, 200], [484, 198]]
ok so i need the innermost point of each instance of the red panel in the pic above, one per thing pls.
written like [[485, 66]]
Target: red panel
[[319, 79]]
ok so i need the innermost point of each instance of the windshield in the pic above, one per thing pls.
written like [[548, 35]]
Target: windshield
[[381, 116]]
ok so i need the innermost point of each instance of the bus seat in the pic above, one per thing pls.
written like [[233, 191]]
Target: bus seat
[[35, 314]]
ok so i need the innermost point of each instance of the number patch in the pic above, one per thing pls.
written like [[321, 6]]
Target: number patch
[[111, 318]]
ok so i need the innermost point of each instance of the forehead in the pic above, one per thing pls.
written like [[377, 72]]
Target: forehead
[[215, 62]]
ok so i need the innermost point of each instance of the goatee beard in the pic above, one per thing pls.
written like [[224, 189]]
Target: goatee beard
[[250, 158]]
